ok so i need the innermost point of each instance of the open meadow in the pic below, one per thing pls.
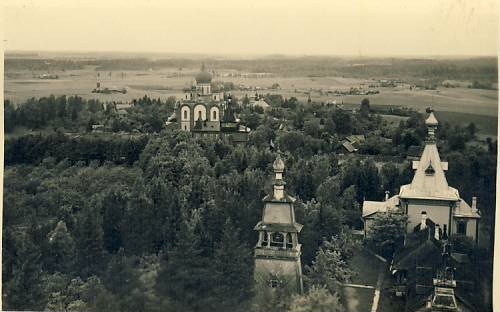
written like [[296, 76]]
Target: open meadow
[[455, 105]]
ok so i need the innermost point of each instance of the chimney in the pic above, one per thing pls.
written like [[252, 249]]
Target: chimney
[[386, 195], [423, 222], [474, 204], [436, 232]]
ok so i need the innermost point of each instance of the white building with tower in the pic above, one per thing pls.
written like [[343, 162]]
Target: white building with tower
[[429, 196], [208, 114]]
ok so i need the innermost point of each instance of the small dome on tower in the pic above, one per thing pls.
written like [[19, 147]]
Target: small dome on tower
[[278, 164], [431, 120]]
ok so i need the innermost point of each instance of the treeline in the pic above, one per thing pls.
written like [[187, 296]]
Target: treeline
[[33, 149], [75, 114], [27, 63], [165, 222]]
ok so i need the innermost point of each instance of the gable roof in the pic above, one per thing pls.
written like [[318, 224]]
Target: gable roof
[[261, 103], [349, 147], [429, 181], [465, 211], [372, 207]]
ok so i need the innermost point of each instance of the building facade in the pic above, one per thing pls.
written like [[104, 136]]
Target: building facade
[[208, 114], [277, 253], [429, 194]]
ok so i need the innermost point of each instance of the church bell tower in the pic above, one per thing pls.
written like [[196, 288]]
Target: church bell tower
[[277, 253]]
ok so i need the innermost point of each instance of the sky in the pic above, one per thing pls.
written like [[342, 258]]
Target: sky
[[255, 27]]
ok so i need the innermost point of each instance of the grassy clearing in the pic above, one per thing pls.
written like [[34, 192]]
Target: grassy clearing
[[486, 124], [366, 266], [357, 299], [455, 105]]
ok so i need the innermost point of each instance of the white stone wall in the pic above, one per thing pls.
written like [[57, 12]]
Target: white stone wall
[[471, 227], [185, 118], [437, 211], [289, 271]]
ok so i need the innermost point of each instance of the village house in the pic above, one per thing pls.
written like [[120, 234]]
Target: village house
[[425, 268], [429, 192]]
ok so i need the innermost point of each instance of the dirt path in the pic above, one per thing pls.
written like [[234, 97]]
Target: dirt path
[[380, 280]]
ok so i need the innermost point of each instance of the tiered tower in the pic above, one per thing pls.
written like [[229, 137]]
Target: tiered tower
[[277, 253]]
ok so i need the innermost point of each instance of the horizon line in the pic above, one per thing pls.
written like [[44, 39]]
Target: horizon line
[[260, 55]]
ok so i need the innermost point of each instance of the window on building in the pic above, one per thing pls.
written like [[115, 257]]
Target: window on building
[[274, 283], [215, 115], [289, 243], [185, 115], [265, 238], [277, 239], [199, 115], [462, 227], [430, 170]]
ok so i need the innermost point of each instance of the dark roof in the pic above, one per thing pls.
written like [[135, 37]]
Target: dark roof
[[206, 126], [229, 113], [279, 227], [285, 199], [203, 77], [419, 246]]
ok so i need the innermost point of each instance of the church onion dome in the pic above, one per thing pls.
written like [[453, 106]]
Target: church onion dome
[[278, 165], [431, 120], [203, 77]]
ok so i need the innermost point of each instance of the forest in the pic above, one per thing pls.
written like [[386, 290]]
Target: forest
[[144, 218]]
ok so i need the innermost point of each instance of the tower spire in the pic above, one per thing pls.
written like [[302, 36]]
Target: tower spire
[[431, 122], [279, 184], [277, 253]]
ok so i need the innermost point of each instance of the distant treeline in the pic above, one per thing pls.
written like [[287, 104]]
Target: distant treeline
[[32, 149], [480, 69]]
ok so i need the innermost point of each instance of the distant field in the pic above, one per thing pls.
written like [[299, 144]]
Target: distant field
[[456, 105], [487, 125]]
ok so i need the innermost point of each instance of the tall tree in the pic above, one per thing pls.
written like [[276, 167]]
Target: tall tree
[[62, 249], [24, 290], [185, 276], [387, 230], [329, 269], [90, 241], [233, 264]]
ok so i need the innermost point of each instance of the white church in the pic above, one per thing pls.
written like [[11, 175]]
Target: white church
[[430, 196]]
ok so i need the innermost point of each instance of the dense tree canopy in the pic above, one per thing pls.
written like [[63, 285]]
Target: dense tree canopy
[[175, 214]]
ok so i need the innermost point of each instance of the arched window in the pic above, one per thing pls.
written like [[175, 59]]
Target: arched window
[[430, 170], [199, 115], [264, 239], [185, 114], [214, 115]]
